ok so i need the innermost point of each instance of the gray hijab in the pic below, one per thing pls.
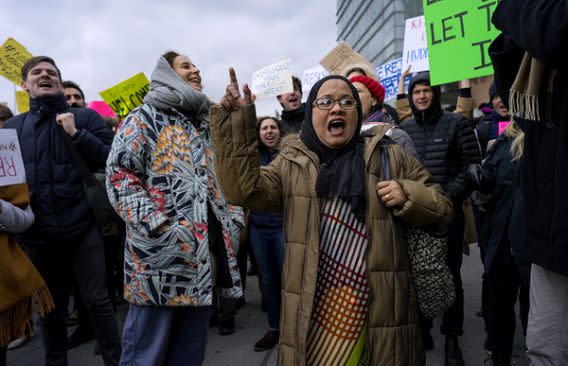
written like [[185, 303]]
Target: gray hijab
[[169, 91]]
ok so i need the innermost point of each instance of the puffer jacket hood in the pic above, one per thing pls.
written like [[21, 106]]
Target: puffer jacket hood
[[433, 113]]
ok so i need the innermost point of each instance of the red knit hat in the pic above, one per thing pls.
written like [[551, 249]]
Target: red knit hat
[[376, 89]]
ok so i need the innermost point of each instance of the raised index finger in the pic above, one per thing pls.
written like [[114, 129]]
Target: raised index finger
[[233, 78]]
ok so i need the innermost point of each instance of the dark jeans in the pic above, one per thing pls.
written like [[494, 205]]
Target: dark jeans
[[267, 244], [85, 256], [452, 320], [504, 286]]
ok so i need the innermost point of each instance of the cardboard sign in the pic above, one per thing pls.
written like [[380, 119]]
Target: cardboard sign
[[459, 34], [342, 55], [503, 126], [127, 95], [311, 76], [12, 57], [101, 108], [22, 101], [273, 80], [389, 75], [12, 170], [415, 49]]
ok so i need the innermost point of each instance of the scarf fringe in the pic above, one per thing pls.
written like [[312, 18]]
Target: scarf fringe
[[531, 107], [16, 320]]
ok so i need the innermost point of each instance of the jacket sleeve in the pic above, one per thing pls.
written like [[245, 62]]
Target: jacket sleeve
[[403, 109], [538, 26], [14, 219], [125, 171], [237, 163], [468, 153], [465, 107], [489, 167], [94, 139], [427, 204]]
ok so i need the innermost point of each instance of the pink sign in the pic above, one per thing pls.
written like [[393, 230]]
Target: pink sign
[[101, 108], [503, 126]]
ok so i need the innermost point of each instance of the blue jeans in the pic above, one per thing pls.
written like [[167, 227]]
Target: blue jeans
[[267, 244], [173, 336]]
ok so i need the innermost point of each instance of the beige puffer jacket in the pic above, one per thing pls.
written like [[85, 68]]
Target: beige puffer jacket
[[288, 185]]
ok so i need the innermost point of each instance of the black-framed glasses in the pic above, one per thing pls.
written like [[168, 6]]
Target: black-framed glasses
[[346, 103]]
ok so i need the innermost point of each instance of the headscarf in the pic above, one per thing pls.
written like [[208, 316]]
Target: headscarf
[[169, 91], [342, 171]]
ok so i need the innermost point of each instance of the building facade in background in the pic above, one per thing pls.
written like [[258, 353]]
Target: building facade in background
[[375, 28]]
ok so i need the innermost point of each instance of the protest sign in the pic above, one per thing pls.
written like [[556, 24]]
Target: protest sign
[[22, 101], [340, 57], [101, 108], [503, 126], [273, 80], [127, 95], [459, 34], [12, 57], [415, 49], [311, 76], [389, 75], [12, 169]]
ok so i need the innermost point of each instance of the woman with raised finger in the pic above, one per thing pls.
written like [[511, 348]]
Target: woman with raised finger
[[347, 293]]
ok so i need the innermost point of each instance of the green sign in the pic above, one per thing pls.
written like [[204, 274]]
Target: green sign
[[459, 33]]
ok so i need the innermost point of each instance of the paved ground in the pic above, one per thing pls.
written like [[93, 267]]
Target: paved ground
[[237, 349]]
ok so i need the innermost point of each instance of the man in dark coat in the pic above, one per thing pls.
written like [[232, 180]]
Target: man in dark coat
[[446, 146], [294, 110], [64, 236], [535, 31]]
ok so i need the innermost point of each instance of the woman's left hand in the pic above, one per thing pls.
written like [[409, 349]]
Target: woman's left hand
[[391, 193]]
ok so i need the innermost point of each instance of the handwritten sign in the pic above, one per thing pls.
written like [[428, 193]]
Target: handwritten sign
[[12, 170], [12, 57], [415, 49], [311, 76], [273, 80], [389, 75], [22, 101], [127, 95], [459, 35], [101, 108], [340, 57]]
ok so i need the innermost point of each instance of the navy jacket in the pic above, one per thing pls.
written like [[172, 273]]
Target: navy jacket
[[541, 28], [57, 196]]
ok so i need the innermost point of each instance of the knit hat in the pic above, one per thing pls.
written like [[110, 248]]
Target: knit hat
[[492, 91], [376, 89]]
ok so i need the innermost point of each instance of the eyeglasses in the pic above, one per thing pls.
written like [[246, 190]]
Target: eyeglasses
[[346, 103]]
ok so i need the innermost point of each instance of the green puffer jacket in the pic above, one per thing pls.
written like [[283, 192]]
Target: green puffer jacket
[[288, 185]]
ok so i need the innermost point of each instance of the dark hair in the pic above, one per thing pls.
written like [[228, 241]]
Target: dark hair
[[5, 113], [356, 69], [391, 111], [297, 83], [72, 84], [170, 56], [259, 121], [34, 61]]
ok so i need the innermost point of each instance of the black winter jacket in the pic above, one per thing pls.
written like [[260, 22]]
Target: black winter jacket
[[57, 196], [291, 121], [541, 28], [445, 143]]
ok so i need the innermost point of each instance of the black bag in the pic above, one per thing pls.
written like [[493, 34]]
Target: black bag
[[105, 215], [427, 249]]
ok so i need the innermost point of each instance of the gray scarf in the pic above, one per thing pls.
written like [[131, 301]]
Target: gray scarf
[[169, 91]]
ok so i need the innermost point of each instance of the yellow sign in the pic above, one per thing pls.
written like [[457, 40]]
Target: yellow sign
[[124, 97], [23, 101], [12, 57]]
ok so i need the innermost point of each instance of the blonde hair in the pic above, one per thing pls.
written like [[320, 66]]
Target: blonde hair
[[518, 145]]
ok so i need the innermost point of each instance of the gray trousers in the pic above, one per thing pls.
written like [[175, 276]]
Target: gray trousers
[[547, 332]]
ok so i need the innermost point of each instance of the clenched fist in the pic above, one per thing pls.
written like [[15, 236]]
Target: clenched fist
[[67, 120]]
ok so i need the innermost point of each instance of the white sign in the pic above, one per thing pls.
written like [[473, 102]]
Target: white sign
[[273, 80], [415, 50], [12, 170], [389, 75], [311, 76]]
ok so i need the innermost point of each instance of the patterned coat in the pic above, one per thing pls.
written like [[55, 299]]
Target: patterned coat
[[160, 171]]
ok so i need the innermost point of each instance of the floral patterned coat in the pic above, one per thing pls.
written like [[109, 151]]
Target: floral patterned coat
[[160, 171]]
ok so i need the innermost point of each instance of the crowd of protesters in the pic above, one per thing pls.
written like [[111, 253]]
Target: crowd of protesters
[[320, 200]]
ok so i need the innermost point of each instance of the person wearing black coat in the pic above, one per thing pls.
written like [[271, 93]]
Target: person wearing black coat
[[535, 31], [506, 266], [293, 111], [64, 237], [446, 146]]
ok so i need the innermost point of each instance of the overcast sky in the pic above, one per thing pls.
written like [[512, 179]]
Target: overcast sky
[[101, 43]]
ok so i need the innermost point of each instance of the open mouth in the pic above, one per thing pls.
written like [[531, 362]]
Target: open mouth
[[270, 138], [336, 127], [45, 84]]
